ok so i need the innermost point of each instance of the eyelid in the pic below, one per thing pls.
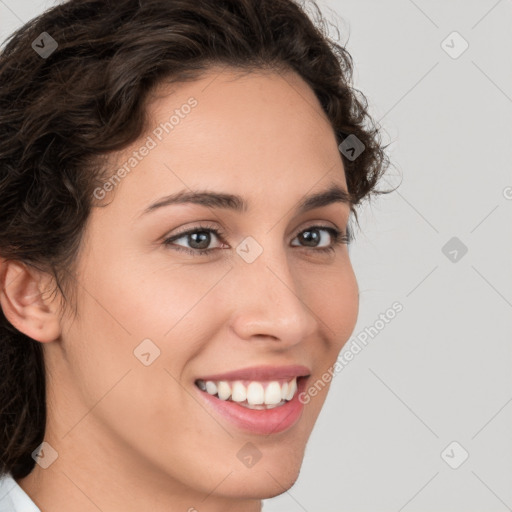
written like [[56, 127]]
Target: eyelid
[[202, 226], [206, 225]]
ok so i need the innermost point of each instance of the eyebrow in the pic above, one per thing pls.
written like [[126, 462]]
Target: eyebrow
[[333, 194]]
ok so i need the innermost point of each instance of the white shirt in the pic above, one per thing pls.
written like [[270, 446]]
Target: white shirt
[[13, 498]]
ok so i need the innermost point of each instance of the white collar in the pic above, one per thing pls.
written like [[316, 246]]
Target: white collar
[[13, 498]]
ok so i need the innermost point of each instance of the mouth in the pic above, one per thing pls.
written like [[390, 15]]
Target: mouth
[[256, 395], [262, 400]]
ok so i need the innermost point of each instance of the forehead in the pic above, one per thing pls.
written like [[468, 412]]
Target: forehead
[[239, 112], [237, 132]]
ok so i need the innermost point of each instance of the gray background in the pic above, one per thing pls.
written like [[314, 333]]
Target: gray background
[[439, 372]]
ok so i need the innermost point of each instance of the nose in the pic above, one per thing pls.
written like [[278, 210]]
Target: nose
[[269, 302]]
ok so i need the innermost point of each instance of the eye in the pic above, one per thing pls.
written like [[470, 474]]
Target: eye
[[332, 236], [199, 239]]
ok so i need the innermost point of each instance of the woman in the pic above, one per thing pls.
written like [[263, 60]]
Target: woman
[[177, 179]]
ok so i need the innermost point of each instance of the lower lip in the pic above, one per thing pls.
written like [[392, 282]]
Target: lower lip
[[266, 421]]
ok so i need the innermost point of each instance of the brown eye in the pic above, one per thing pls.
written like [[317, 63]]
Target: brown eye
[[197, 240], [312, 237]]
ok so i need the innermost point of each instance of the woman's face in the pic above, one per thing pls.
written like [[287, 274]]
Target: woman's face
[[266, 295]]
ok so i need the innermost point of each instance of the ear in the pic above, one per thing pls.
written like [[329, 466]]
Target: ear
[[23, 303]]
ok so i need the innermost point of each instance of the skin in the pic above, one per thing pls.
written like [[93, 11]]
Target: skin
[[131, 437]]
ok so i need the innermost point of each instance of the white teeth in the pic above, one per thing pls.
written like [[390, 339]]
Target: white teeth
[[253, 396], [211, 387], [223, 390], [273, 393], [284, 391], [239, 392], [255, 393], [292, 388]]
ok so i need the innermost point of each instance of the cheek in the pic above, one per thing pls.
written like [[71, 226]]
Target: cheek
[[147, 407], [335, 302], [156, 300]]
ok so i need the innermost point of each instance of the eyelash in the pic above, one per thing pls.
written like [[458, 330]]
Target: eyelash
[[338, 236]]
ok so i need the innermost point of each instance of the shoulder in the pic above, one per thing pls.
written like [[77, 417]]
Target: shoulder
[[13, 498]]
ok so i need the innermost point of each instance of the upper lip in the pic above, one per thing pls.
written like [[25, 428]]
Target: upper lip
[[261, 373]]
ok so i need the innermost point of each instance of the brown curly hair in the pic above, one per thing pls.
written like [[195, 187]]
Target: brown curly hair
[[62, 113]]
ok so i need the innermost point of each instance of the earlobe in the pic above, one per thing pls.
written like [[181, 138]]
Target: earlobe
[[24, 303]]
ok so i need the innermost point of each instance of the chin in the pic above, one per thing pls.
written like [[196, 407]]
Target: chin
[[262, 484], [270, 477]]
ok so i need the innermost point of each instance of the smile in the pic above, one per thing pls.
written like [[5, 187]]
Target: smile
[[261, 400], [259, 395]]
